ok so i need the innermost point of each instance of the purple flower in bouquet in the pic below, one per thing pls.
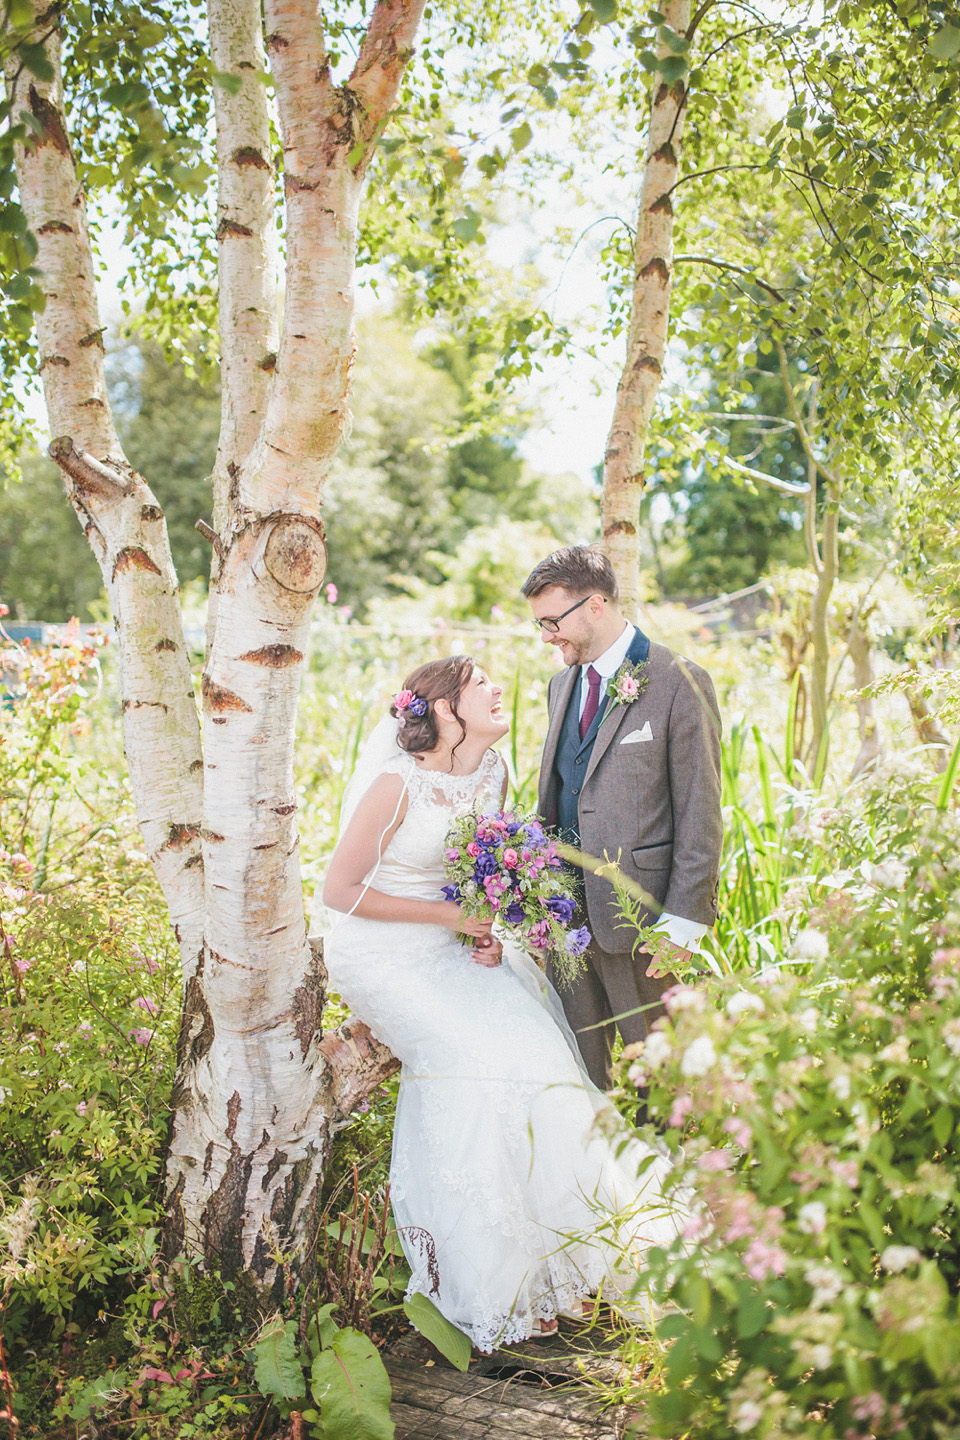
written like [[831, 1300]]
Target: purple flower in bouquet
[[514, 913], [563, 907], [577, 941], [451, 892], [485, 864]]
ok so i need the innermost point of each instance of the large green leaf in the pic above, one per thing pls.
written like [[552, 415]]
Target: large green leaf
[[352, 1388], [451, 1342], [276, 1365]]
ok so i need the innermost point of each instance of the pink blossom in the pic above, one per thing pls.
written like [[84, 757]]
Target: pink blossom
[[714, 1161], [498, 824], [511, 859], [526, 855], [473, 850], [628, 686], [762, 1260], [453, 854], [870, 1407], [739, 1130], [82, 1108], [402, 699], [332, 593], [742, 1219], [846, 1170], [142, 1002], [496, 612], [682, 997], [682, 1107], [141, 1036], [22, 966], [694, 1227]]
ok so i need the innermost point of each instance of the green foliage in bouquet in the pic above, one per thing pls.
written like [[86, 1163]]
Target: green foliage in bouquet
[[813, 1104]]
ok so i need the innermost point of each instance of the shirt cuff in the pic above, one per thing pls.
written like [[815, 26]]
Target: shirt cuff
[[685, 933]]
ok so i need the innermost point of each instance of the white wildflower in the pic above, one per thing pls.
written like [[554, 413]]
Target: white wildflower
[[900, 1257], [812, 1217], [826, 1283], [742, 1002], [746, 1416], [840, 1085], [820, 1356], [809, 1019], [810, 944], [890, 874], [698, 1058], [897, 1052], [656, 1049]]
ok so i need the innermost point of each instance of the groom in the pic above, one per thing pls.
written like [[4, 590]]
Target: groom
[[635, 775]]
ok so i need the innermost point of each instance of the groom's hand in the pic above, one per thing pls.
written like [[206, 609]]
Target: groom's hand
[[665, 958], [488, 951]]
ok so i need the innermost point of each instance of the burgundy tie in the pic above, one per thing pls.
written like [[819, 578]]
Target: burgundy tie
[[593, 701]]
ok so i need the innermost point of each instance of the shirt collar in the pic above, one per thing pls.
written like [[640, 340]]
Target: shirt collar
[[610, 661]]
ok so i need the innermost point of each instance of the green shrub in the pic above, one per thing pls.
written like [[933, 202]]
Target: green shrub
[[813, 1104]]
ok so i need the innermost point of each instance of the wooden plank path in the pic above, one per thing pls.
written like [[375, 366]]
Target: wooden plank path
[[537, 1391]]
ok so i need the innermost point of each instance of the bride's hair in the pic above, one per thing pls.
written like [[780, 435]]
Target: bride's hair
[[437, 680]]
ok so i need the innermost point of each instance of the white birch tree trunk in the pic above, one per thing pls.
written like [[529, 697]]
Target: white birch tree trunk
[[258, 1093], [623, 478], [258, 1096], [120, 515]]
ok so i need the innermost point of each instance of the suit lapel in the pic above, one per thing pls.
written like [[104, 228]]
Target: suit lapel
[[563, 690], [609, 725]]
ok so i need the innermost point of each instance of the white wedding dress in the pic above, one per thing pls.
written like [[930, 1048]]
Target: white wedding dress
[[506, 1188]]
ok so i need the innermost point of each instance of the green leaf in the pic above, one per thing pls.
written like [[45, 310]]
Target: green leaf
[[467, 228], [949, 779], [943, 1124], [604, 10], [225, 80], [93, 1396], [451, 1342], [350, 1384], [277, 1368], [521, 136], [35, 60], [945, 42], [673, 67], [752, 1317]]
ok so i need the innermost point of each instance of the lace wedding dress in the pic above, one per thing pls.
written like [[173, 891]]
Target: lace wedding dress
[[506, 1188]]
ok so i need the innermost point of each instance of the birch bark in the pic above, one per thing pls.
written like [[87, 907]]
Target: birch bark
[[258, 1094], [642, 373], [119, 513]]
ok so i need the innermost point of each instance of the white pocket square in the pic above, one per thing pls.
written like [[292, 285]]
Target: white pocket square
[[635, 736]]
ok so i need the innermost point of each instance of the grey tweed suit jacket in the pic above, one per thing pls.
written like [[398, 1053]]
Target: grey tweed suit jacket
[[654, 801]]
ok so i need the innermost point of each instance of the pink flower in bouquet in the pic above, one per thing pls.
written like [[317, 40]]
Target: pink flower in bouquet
[[473, 850], [498, 823], [451, 854], [402, 699], [539, 934], [526, 855], [628, 687], [511, 859]]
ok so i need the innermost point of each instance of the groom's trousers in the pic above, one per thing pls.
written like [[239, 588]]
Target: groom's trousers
[[613, 993]]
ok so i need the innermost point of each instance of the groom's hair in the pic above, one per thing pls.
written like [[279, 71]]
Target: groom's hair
[[581, 569]]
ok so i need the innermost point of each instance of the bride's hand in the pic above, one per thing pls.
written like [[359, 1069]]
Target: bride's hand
[[452, 916]]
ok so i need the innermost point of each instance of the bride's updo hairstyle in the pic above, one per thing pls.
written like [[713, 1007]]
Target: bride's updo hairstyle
[[438, 680]]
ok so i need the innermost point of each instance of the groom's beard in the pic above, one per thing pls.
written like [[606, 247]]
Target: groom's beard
[[574, 652]]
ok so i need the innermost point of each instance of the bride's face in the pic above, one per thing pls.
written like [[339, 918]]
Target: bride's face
[[479, 707]]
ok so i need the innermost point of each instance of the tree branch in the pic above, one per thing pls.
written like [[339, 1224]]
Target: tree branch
[[86, 471], [247, 268], [734, 269], [828, 475], [384, 55], [784, 486]]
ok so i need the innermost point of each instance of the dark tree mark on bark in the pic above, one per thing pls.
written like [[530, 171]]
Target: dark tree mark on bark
[[222, 1219], [269, 362], [134, 557], [94, 337], [220, 699], [151, 512], [180, 835], [234, 1106], [162, 645], [50, 122], [278, 657], [277, 1159], [55, 227], [656, 266], [230, 227], [250, 155], [622, 527]]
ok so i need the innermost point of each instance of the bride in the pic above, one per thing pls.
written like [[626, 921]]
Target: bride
[[505, 1192]]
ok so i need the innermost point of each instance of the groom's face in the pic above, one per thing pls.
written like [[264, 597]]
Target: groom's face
[[577, 637]]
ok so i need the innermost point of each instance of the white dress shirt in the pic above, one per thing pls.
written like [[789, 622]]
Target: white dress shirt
[[685, 933]]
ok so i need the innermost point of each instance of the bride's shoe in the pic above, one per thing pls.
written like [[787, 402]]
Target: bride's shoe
[[545, 1328]]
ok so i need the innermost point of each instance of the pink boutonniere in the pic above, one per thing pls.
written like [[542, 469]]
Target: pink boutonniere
[[626, 685]]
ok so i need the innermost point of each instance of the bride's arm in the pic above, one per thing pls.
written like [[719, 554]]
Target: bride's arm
[[371, 828]]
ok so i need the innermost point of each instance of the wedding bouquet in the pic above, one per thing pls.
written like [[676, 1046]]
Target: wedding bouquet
[[503, 867]]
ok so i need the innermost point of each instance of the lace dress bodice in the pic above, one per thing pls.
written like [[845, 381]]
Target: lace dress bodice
[[412, 864]]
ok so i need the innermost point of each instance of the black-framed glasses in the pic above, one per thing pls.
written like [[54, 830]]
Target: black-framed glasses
[[552, 627]]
